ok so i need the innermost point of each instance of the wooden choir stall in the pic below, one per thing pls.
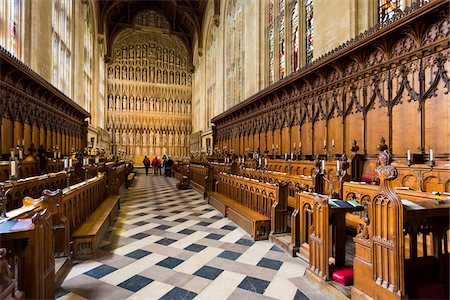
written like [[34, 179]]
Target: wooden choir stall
[[346, 164], [56, 200]]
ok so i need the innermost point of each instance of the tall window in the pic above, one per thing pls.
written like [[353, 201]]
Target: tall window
[[271, 34], [210, 75], [234, 35], [387, 9], [88, 60], [309, 31], [101, 72], [62, 44], [11, 20], [282, 42], [295, 39]]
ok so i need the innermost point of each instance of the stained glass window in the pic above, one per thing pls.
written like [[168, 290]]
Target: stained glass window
[[11, 25], [282, 42], [295, 39], [210, 75], [235, 54], [271, 42], [62, 45], [88, 60], [388, 8], [309, 31]]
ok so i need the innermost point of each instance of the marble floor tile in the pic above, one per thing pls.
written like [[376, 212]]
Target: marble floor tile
[[169, 244]]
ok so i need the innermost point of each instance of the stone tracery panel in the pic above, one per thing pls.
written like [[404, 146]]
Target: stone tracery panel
[[149, 90]]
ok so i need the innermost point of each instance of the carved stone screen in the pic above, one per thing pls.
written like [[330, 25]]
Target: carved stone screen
[[149, 90]]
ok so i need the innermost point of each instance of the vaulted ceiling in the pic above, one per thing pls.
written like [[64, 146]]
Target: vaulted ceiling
[[185, 17]]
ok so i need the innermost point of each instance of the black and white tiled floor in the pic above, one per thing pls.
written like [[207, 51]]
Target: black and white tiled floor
[[170, 244]]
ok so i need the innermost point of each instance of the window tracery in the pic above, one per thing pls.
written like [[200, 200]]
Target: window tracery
[[210, 75], [271, 30], [11, 26], [295, 39], [282, 45], [62, 45], [309, 30], [234, 35], [88, 59]]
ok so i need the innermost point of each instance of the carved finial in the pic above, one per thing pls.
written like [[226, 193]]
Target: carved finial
[[382, 145], [317, 161], [354, 148], [385, 171], [344, 162], [364, 228]]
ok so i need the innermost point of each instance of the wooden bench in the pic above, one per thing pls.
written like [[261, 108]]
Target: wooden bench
[[259, 208], [130, 179], [256, 224], [89, 235]]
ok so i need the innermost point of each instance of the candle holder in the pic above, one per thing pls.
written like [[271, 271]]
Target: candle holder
[[14, 168], [331, 179], [299, 155], [420, 172], [289, 167], [263, 168]]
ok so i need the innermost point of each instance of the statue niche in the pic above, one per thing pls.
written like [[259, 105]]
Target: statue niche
[[151, 57]]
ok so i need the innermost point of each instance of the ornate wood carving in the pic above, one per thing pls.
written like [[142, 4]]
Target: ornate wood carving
[[402, 61]]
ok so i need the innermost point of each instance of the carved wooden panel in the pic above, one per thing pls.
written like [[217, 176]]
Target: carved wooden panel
[[392, 83]]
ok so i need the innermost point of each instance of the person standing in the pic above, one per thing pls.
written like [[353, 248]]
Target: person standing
[[146, 163], [168, 167], [164, 164], [155, 165]]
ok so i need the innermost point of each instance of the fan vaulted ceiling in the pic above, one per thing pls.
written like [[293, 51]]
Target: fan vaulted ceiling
[[185, 17]]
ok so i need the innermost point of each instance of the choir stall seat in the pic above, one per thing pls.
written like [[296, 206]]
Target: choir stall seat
[[89, 235]]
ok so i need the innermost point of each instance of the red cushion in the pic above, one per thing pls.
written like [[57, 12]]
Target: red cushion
[[344, 276], [366, 179]]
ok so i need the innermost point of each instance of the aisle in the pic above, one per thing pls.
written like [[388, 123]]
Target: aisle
[[170, 244]]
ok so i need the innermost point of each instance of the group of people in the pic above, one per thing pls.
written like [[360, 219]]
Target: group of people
[[156, 164]]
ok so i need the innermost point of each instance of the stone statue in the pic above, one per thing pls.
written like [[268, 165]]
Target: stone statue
[[151, 137], [176, 139], [124, 103], [131, 103], [124, 138], [131, 138], [110, 102], [144, 138], [157, 139], [145, 104], [118, 103], [138, 104], [144, 74]]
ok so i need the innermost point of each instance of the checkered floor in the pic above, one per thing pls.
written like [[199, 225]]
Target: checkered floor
[[169, 244]]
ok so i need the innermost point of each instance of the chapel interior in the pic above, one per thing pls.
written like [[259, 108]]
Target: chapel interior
[[303, 147]]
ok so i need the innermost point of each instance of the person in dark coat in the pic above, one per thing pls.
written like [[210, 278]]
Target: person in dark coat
[[168, 167], [146, 163]]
